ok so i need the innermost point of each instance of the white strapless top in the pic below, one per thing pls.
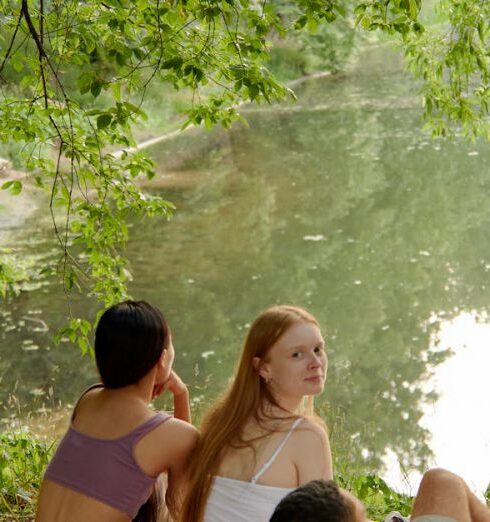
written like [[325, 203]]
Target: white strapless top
[[232, 500]]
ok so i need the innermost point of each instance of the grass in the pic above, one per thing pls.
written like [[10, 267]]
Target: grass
[[371, 489], [23, 459], [376, 495]]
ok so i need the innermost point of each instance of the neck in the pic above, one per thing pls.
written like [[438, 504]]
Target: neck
[[140, 391], [285, 406]]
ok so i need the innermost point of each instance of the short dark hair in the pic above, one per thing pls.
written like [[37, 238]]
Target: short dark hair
[[316, 501], [129, 339]]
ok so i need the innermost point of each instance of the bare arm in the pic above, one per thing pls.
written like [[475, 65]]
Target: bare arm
[[182, 409], [313, 455], [183, 439], [178, 389]]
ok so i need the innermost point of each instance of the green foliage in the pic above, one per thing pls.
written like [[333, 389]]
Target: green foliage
[[371, 489], [76, 331], [450, 59], [73, 71], [321, 47], [74, 76], [14, 186], [395, 16], [23, 459], [460, 54], [12, 272], [376, 495]]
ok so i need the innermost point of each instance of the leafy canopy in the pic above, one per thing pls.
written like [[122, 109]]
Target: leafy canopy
[[70, 72]]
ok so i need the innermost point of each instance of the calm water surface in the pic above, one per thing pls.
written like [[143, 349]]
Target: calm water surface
[[338, 203]]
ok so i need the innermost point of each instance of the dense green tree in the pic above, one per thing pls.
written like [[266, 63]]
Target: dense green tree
[[71, 70]]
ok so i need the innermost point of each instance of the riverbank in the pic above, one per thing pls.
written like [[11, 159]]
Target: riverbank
[[23, 459]]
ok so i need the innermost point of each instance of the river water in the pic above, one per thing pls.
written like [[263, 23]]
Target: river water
[[338, 203]]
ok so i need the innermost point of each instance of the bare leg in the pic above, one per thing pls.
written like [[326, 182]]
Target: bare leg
[[444, 493]]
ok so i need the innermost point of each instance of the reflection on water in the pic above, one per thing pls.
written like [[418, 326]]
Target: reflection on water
[[340, 205], [458, 419]]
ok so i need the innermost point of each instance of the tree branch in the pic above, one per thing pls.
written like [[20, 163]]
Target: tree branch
[[25, 12], [12, 41]]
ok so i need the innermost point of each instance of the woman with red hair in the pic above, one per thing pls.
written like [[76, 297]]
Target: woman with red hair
[[261, 439]]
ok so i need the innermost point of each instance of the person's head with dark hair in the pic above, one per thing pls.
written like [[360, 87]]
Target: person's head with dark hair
[[129, 341], [319, 501]]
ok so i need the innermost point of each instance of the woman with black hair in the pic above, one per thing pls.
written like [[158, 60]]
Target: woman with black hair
[[116, 446]]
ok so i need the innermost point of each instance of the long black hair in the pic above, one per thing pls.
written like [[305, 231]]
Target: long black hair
[[150, 510]]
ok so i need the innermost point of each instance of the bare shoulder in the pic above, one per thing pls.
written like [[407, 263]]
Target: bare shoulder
[[178, 433], [167, 446], [311, 451], [311, 431]]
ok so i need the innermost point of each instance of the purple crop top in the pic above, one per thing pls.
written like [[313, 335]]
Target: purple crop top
[[104, 469]]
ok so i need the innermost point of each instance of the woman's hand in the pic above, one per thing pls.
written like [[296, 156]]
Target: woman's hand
[[175, 385], [157, 390]]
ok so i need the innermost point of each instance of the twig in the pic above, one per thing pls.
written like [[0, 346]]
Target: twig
[[12, 41]]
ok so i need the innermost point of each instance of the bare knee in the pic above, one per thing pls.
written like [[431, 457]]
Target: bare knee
[[444, 493], [440, 478]]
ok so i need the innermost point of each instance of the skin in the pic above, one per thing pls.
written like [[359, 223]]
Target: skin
[[357, 508], [169, 381], [295, 367], [111, 413], [447, 494]]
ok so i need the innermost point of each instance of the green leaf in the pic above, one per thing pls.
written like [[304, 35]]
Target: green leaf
[[103, 121], [84, 82], [413, 9], [96, 87], [301, 22], [14, 186], [173, 63], [116, 91]]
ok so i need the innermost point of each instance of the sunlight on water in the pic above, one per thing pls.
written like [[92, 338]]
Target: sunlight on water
[[459, 419]]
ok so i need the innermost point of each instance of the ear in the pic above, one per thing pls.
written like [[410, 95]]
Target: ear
[[160, 364], [161, 360], [262, 368]]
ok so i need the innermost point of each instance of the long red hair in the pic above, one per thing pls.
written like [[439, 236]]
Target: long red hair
[[222, 426]]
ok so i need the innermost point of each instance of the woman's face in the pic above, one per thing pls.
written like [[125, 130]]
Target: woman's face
[[296, 365]]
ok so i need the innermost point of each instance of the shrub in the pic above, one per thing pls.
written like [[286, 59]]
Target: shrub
[[23, 459]]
